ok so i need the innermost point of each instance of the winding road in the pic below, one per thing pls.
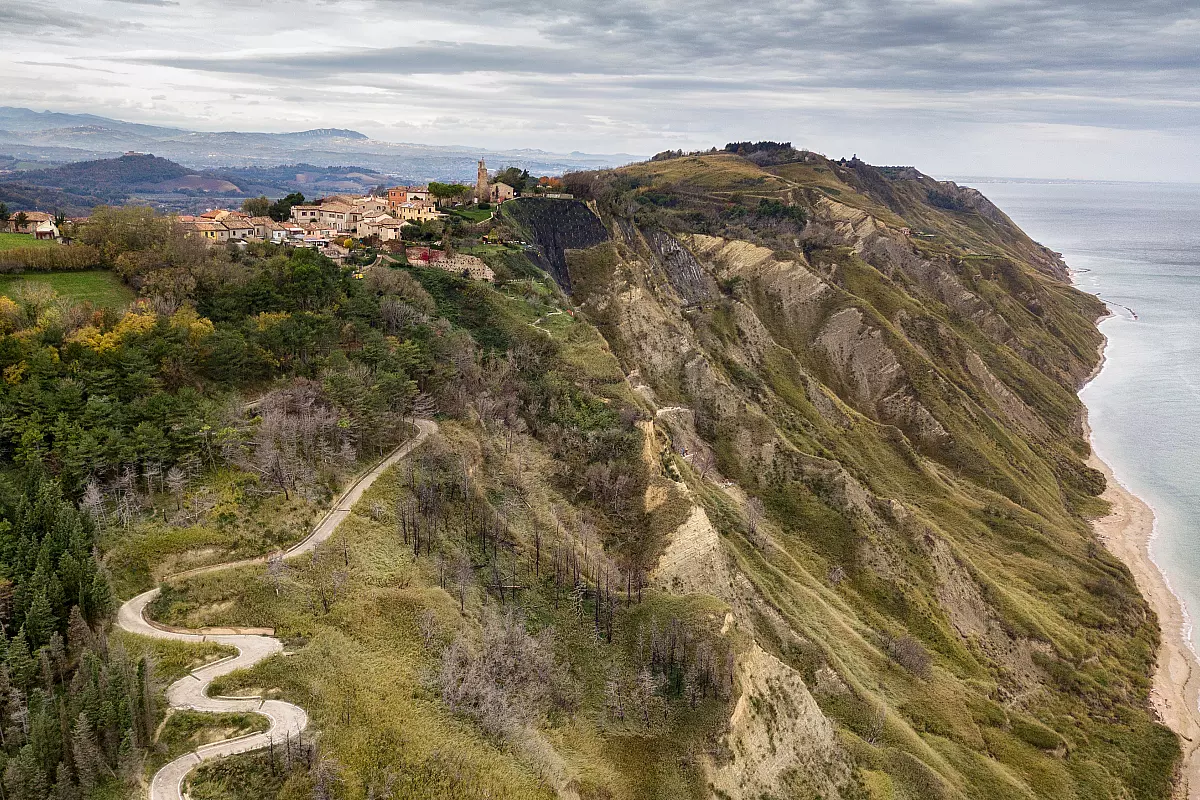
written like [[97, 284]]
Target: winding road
[[191, 691]]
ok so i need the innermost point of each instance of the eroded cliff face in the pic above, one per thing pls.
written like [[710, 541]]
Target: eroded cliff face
[[870, 408]]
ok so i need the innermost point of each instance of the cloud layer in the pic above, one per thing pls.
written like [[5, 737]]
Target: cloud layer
[[1073, 89]]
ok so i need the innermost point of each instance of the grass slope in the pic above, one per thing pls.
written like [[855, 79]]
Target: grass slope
[[13, 241], [99, 287]]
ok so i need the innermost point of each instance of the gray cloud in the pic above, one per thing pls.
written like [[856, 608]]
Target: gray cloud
[[645, 74]]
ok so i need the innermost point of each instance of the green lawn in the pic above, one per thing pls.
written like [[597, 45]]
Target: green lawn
[[11, 241], [472, 214], [100, 287]]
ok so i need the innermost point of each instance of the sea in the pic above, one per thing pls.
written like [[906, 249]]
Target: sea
[[1137, 247]]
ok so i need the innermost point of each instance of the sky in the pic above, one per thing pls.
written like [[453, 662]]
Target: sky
[[1088, 89]]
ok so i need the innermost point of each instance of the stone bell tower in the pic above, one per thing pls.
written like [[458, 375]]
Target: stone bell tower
[[482, 193]]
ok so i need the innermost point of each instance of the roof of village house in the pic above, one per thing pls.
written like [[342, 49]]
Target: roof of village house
[[213, 213], [336, 208], [34, 216], [266, 222], [209, 226], [307, 208], [235, 223]]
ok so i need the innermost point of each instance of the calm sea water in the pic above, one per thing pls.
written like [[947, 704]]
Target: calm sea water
[[1137, 246]]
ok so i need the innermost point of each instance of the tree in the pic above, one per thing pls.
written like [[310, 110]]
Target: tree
[[21, 665], [755, 513], [176, 481], [448, 191], [257, 206], [88, 761], [40, 621], [281, 209], [514, 177], [5, 214], [20, 221]]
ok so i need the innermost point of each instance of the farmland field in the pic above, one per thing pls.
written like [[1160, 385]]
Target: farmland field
[[100, 287], [12, 241]]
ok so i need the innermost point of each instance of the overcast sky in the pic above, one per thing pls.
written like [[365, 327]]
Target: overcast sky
[[1044, 88]]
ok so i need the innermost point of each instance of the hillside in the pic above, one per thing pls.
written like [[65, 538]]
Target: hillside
[[117, 178], [761, 476]]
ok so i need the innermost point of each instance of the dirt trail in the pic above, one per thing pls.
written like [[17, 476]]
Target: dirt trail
[[191, 692]]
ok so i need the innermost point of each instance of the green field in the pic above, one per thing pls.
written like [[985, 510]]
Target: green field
[[472, 214], [12, 241], [100, 287]]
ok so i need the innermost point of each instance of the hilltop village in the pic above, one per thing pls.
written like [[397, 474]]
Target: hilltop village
[[413, 220]]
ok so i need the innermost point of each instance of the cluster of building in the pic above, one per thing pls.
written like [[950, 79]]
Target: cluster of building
[[321, 226], [364, 217], [326, 225]]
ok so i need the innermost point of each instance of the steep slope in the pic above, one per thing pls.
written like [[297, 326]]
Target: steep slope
[[871, 378]]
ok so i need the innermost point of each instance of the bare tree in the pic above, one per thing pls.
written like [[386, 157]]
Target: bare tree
[[427, 626], [92, 503], [277, 571], [176, 480], [755, 513], [506, 682]]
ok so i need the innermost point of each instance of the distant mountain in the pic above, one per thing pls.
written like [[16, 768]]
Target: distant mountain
[[76, 188], [141, 178], [46, 136], [115, 179]]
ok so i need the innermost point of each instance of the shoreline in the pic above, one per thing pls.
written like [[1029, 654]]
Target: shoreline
[[1127, 531]]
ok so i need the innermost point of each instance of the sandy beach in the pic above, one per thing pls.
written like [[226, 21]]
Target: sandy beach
[[1127, 532]]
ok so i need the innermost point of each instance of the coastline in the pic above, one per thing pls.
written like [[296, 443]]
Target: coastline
[[1127, 532]]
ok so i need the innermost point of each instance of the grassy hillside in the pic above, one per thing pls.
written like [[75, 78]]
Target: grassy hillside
[[101, 288], [12, 241], [785, 498]]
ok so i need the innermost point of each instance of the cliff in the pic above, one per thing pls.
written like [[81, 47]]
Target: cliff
[[866, 380]]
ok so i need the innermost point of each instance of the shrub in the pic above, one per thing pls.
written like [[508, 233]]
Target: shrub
[[48, 259], [909, 653]]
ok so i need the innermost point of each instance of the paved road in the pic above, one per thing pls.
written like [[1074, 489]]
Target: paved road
[[191, 691]]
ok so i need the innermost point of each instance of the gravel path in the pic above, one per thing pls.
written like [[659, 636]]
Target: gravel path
[[191, 691]]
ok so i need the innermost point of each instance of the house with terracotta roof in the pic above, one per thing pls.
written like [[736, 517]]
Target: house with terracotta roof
[[370, 205], [32, 220], [268, 230], [414, 211], [240, 228], [369, 225], [389, 230], [211, 230], [342, 216], [302, 214]]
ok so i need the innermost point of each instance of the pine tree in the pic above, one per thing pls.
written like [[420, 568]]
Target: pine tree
[[88, 761], [21, 666], [64, 786], [40, 621], [79, 634], [100, 599]]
